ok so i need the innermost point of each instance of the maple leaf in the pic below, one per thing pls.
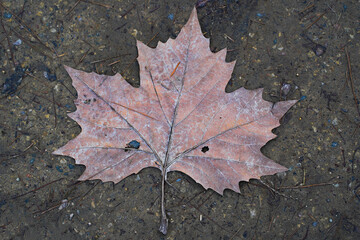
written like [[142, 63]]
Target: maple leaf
[[179, 119]]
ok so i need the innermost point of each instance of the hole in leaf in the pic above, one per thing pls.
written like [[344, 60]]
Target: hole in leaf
[[205, 149]]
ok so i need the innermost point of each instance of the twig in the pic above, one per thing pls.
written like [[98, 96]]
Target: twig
[[72, 8], [275, 191], [308, 186], [105, 59], [54, 108], [8, 40], [83, 57], [83, 196], [309, 26], [351, 80], [308, 7], [233, 236], [36, 189], [128, 11], [337, 130], [98, 4]]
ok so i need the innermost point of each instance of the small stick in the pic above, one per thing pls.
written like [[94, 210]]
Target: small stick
[[40, 96], [52, 208], [272, 219], [117, 61], [177, 65], [128, 11], [72, 8], [98, 4], [233, 236], [8, 40], [205, 200], [309, 26], [308, 186], [351, 80], [118, 28], [83, 196], [343, 156], [105, 59], [36, 189], [54, 108], [74, 95], [274, 190], [89, 44], [153, 10], [83, 57], [257, 22], [338, 133], [308, 7], [303, 183]]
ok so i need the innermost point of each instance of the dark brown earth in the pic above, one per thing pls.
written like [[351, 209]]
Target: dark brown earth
[[277, 44]]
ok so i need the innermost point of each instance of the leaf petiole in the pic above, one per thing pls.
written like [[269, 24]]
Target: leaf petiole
[[164, 221]]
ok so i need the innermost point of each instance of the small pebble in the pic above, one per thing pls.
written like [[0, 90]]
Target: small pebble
[[302, 98], [137, 178], [285, 89], [59, 168], [64, 204], [7, 15], [49, 76], [17, 42]]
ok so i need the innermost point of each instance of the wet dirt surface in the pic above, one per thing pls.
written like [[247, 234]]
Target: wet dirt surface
[[294, 50]]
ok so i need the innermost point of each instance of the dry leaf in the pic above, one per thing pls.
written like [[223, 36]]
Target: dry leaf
[[179, 119]]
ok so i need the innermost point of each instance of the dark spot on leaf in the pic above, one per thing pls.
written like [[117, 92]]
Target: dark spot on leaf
[[133, 144], [205, 149]]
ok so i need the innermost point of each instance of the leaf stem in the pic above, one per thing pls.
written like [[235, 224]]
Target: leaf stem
[[164, 220]]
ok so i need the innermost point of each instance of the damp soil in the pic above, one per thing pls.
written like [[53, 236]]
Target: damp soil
[[293, 49]]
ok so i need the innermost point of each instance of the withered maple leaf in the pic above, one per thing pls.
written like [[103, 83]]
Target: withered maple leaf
[[179, 119]]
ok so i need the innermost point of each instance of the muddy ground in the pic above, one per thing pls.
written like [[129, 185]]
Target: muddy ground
[[307, 46]]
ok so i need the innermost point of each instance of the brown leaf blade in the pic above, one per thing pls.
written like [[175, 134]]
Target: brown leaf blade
[[180, 115]]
